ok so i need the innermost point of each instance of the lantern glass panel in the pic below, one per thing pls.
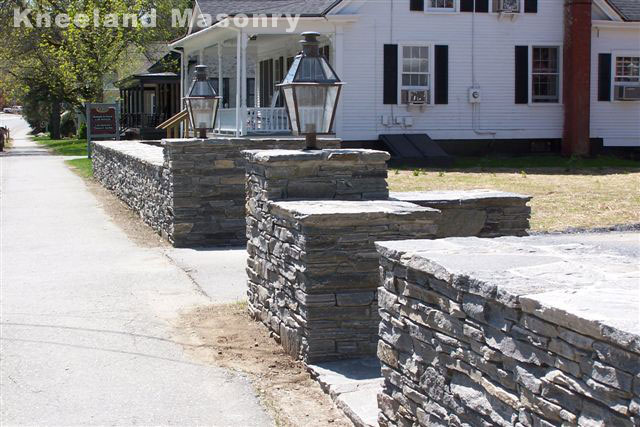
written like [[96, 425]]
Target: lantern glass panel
[[291, 108], [316, 105], [203, 112]]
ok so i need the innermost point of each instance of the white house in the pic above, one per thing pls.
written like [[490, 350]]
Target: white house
[[452, 69]]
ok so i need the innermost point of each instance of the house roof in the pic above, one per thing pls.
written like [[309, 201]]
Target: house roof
[[629, 10], [269, 7]]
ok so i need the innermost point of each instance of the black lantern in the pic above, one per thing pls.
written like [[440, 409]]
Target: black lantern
[[202, 102], [311, 90]]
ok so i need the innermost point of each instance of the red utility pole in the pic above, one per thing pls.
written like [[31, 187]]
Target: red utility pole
[[577, 77]]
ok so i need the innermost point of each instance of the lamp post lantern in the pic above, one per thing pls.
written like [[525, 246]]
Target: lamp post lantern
[[202, 102], [311, 91]]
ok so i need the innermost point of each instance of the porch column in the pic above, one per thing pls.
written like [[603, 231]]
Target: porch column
[[338, 64], [238, 84], [220, 75], [243, 85]]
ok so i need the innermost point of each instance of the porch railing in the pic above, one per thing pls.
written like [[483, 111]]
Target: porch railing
[[258, 120], [138, 120]]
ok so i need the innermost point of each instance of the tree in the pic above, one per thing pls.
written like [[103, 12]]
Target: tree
[[69, 63]]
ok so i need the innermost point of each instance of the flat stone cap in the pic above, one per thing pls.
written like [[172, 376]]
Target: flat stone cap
[[458, 196], [335, 155], [145, 153], [565, 280], [334, 211], [238, 141]]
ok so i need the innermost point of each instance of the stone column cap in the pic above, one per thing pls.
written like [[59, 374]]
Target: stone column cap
[[337, 155], [338, 212]]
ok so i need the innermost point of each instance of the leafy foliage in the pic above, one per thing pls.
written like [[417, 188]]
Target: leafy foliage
[[69, 64]]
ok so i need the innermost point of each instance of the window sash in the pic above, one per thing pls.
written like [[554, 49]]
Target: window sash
[[415, 71], [441, 5], [545, 74], [627, 69]]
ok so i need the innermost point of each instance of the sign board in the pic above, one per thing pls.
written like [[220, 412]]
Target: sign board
[[103, 122]]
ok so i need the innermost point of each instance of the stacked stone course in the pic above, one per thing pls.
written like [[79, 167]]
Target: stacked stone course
[[313, 272], [313, 281], [191, 191], [136, 174], [478, 333], [481, 213]]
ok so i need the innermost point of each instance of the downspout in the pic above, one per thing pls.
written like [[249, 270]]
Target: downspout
[[475, 119]]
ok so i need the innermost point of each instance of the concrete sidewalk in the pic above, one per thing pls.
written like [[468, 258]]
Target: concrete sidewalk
[[86, 333]]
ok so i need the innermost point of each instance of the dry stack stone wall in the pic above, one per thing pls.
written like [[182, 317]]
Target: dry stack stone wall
[[482, 213], [508, 332], [313, 272], [189, 190], [135, 172], [207, 183]]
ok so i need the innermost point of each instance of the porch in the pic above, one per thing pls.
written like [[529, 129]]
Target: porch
[[246, 65]]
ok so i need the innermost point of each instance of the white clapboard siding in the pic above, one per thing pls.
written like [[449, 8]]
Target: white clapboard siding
[[617, 123], [495, 42]]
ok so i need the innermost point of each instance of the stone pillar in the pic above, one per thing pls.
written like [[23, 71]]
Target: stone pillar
[[313, 272], [312, 218]]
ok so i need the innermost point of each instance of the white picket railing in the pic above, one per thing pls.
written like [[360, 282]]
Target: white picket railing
[[265, 119]]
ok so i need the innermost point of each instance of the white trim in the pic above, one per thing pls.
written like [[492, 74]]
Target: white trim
[[619, 25], [608, 10], [560, 74]]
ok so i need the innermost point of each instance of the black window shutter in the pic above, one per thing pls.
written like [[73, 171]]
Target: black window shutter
[[604, 77], [522, 74], [390, 93], [466, 5], [482, 6], [416, 5], [441, 65], [530, 6]]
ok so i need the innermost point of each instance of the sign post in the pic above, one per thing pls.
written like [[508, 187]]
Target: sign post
[[103, 122]]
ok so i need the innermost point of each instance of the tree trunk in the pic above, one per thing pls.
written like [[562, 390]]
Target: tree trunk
[[54, 120]]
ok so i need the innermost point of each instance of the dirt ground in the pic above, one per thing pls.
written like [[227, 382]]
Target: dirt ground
[[224, 335]]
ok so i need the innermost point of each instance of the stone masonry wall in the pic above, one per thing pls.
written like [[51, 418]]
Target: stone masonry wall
[[207, 186], [136, 174], [506, 332], [482, 213], [313, 272]]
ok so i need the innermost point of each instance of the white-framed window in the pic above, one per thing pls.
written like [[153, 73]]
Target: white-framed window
[[441, 5], [626, 76], [546, 67], [415, 74]]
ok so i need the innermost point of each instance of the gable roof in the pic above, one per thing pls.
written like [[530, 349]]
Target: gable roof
[[629, 10], [269, 7]]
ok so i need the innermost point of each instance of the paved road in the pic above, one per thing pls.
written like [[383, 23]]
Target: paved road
[[86, 314]]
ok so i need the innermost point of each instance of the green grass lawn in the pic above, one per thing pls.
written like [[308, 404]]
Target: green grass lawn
[[82, 167], [64, 147]]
